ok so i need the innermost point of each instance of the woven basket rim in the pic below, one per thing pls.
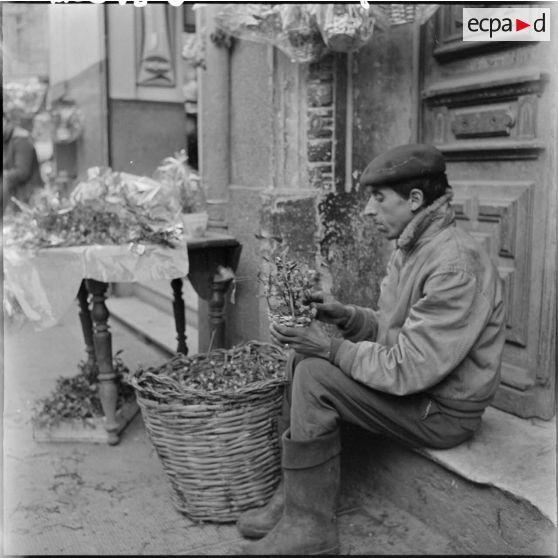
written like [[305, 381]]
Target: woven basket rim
[[144, 381], [218, 396]]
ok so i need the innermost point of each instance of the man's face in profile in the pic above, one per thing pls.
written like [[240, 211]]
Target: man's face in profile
[[390, 211]]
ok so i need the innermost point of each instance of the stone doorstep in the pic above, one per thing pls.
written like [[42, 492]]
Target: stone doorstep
[[517, 456], [493, 495]]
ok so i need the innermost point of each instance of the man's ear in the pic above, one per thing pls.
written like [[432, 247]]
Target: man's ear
[[416, 197]]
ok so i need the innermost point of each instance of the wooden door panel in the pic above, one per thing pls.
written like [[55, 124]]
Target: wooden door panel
[[485, 107], [499, 215]]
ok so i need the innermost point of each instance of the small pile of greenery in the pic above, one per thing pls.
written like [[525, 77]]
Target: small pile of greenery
[[77, 397]]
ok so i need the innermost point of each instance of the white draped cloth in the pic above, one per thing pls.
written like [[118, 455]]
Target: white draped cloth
[[45, 282]]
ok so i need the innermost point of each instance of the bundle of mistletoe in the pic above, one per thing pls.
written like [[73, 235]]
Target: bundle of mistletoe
[[285, 284], [82, 224], [214, 376], [108, 209], [77, 397]]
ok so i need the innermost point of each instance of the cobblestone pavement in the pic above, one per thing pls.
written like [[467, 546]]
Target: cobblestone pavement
[[84, 498]]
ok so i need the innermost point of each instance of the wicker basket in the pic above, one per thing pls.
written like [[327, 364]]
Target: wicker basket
[[219, 449], [401, 13]]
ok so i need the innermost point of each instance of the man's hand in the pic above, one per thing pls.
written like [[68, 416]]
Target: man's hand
[[309, 341], [328, 310]]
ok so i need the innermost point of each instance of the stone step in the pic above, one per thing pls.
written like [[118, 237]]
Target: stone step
[[485, 500], [151, 324], [159, 294]]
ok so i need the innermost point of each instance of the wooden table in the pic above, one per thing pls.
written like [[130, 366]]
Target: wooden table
[[207, 255]]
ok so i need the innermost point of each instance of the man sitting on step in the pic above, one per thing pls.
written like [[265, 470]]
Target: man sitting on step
[[420, 369]]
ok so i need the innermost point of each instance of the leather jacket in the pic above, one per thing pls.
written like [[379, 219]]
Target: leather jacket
[[439, 326]]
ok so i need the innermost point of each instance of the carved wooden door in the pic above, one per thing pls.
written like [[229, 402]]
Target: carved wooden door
[[491, 108]]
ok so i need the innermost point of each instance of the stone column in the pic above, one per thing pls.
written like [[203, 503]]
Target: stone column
[[213, 122]]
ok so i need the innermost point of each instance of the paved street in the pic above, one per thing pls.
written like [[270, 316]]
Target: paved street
[[83, 498]]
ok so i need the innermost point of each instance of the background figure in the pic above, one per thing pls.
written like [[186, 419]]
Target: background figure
[[192, 139], [21, 176], [190, 91]]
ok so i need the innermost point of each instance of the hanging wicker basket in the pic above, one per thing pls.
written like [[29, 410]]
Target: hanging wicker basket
[[344, 27], [214, 427], [388, 15]]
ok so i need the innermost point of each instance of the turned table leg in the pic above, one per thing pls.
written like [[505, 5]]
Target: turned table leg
[[179, 316], [102, 339], [216, 311], [87, 327]]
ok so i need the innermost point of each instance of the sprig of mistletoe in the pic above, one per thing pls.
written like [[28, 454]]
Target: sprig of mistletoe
[[284, 286]]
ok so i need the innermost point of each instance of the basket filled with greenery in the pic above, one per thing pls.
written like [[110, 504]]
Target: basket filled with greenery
[[212, 418]]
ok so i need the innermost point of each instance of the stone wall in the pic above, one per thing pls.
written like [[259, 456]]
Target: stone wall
[[25, 45], [347, 251], [77, 70], [300, 135], [249, 173], [364, 101]]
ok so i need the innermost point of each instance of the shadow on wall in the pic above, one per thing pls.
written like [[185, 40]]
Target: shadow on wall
[[351, 248]]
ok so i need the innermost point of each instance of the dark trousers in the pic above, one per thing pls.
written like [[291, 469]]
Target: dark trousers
[[320, 395]]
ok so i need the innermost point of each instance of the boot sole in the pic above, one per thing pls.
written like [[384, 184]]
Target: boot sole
[[254, 534]]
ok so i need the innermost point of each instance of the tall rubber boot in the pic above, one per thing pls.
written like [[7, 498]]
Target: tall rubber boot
[[256, 523], [311, 472]]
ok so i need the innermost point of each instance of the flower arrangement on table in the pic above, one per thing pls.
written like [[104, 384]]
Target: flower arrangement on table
[[184, 183], [285, 284], [107, 208], [112, 227]]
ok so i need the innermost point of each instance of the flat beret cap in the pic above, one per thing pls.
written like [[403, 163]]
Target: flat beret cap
[[405, 162]]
